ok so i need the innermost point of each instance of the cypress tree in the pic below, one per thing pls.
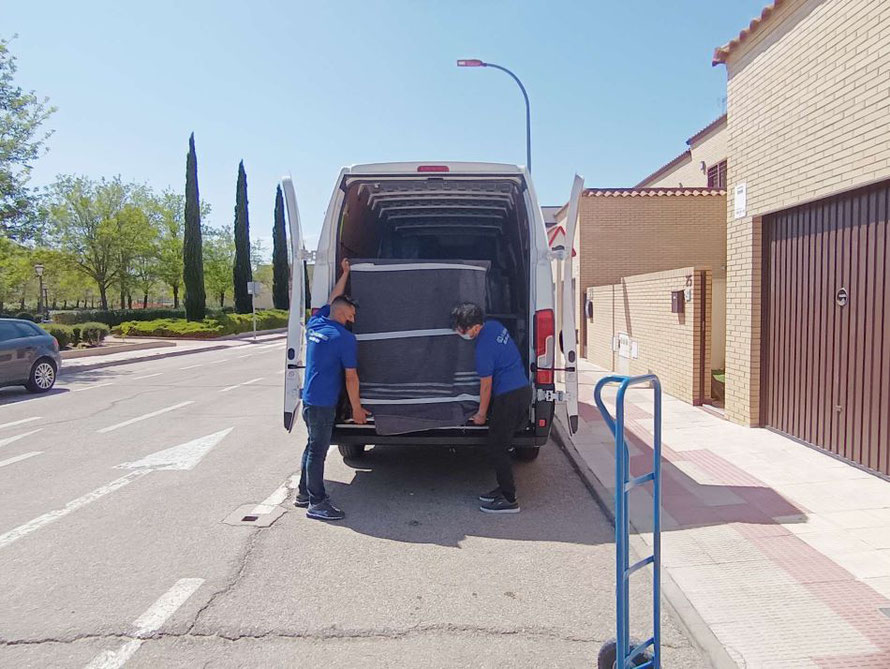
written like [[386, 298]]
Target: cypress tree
[[242, 272], [280, 274], [192, 250]]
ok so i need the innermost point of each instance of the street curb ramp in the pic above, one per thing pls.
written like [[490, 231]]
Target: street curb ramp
[[677, 604]]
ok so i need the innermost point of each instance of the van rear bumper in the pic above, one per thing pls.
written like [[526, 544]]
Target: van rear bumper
[[535, 434]]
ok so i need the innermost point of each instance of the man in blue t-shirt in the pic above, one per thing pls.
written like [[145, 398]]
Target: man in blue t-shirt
[[504, 386], [330, 355]]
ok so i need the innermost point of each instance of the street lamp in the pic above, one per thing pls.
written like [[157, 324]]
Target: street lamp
[[38, 270], [475, 62]]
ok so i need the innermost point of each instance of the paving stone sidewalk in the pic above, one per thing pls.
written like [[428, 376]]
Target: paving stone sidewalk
[[782, 551]]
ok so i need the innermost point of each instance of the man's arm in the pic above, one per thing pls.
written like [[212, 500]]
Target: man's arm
[[340, 286], [484, 400], [359, 414]]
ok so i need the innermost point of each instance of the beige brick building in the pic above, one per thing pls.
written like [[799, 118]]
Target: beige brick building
[[808, 127], [703, 163]]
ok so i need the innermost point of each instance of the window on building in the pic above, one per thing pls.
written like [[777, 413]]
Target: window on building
[[717, 175]]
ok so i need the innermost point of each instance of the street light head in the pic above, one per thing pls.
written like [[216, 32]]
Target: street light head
[[38, 270], [471, 62]]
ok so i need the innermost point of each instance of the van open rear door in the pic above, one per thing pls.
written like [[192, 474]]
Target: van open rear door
[[294, 364], [568, 306]]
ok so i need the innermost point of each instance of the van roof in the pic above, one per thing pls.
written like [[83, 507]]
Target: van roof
[[453, 167]]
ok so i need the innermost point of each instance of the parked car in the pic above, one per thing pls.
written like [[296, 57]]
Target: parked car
[[465, 211], [29, 356]]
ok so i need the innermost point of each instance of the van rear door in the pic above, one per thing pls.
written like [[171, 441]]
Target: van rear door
[[567, 308], [294, 361]]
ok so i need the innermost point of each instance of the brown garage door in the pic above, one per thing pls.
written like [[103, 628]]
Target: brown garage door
[[826, 325]]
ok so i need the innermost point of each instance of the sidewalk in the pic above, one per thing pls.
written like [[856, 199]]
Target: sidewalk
[[181, 347], [782, 552]]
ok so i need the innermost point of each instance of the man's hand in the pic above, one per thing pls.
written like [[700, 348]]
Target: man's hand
[[344, 265], [478, 419], [360, 415]]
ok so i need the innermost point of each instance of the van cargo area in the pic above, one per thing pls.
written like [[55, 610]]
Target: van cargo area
[[446, 218]]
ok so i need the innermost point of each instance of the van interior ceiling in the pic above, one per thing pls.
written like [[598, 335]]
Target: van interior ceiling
[[447, 219]]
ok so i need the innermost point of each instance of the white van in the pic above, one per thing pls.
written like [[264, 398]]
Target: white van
[[434, 211]]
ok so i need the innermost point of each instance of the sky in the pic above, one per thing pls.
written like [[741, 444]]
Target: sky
[[304, 88]]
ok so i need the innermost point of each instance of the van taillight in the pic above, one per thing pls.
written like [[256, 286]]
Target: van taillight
[[433, 168], [544, 343]]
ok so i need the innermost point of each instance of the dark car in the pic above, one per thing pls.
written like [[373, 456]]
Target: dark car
[[29, 356]]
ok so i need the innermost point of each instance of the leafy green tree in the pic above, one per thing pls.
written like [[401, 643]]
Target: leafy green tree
[[219, 256], [280, 270], [242, 268], [16, 271], [192, 247], [136, 247], [85, 221], [167, 212], [22, 113]]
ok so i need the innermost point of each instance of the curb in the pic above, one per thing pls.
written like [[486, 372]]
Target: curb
[[125, 348], [240, 335], [677, 604]]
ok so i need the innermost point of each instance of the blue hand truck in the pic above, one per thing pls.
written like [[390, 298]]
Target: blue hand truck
[[622, 652]]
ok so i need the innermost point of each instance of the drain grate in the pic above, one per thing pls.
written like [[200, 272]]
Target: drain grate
[[249, 519]]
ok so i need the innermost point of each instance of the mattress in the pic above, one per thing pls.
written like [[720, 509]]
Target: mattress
[[415, 372]]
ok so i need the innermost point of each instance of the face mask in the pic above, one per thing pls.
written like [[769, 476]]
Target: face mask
[[465, 335]]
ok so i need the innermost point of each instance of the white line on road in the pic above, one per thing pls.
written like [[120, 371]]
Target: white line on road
[[19, 422], [239, 357], [200, 364], [238, 385], [247, 383], [276, 498], [17, 533], [147, 376], [19, 458], [9, 440], [92, 387], [145, 417], [228, 388], [149, 623]]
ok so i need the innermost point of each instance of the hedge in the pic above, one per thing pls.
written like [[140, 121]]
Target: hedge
[[115, 317], [209, 328], [72, 335], [64, 334]]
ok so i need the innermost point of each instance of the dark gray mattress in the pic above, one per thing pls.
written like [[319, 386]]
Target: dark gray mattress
[[415, 373]]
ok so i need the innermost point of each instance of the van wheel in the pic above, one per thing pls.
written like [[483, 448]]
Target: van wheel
[[526, 453], [351, 451], [42, 377]]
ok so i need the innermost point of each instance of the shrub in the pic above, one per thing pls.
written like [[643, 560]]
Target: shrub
[[93, 333], [25, 316], [115, 317], [63, 334], [209, 328]]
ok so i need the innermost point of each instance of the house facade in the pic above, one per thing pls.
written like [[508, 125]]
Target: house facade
[[808, 182]]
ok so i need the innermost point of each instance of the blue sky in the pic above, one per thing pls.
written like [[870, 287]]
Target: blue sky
[[305, 88]]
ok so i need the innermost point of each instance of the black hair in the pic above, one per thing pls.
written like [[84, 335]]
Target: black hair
[[466, 315], [344, 299]]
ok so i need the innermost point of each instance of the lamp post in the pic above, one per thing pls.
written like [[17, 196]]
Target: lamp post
[[38, 270], [475, 62]]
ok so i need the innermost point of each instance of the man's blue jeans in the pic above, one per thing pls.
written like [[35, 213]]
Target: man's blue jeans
[[320, 425]]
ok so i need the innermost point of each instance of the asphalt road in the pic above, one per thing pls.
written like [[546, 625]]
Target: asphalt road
[[122, 495]]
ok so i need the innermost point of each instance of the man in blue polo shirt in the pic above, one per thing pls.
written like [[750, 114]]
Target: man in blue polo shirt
[[330, 355], [504, 387]]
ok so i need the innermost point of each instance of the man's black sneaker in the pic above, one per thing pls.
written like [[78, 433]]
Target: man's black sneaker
[[491, 496], [302, 500], [500, 505], [325, 511]]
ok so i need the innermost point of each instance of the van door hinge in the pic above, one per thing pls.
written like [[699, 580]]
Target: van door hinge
[[551, 395]]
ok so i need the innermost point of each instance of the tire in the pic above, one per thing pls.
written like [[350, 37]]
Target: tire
[[526, 453], [42, 377], [351, 451], [607, 658]]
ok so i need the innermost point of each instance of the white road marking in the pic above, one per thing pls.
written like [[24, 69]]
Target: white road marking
[[238, 385], [17, 533], [149, 623], [9, 440], [147, 376], [200, 364], [281, 492], [19, 422], [239, 357], [184, 456], [92, 387], [116, 426], [19, 458]]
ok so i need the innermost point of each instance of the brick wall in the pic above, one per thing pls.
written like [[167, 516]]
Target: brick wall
[[711, 149], [640, 306], [809, 116]]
